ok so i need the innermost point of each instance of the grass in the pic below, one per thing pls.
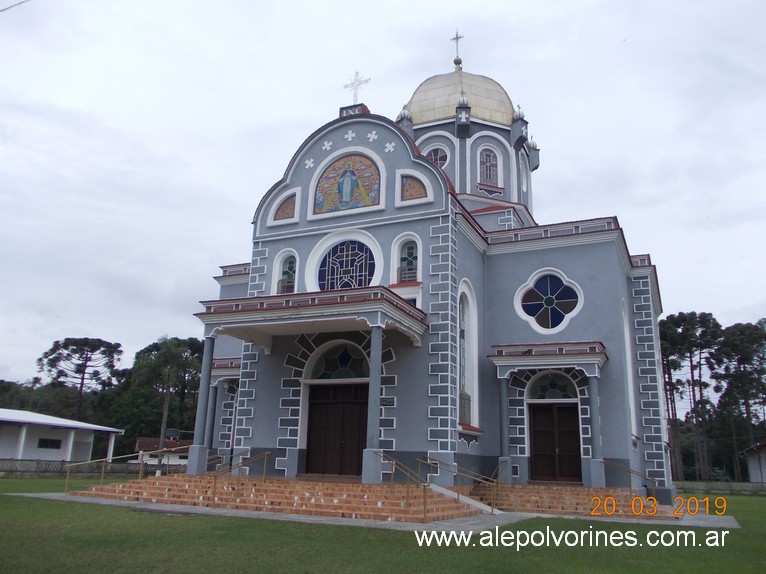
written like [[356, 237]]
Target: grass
[[53, 536]]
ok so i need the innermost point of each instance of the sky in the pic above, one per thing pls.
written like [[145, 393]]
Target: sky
[[137, 138]]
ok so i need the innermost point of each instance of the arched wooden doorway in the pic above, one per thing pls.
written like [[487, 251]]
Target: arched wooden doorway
[[337, 410], [554, 429]]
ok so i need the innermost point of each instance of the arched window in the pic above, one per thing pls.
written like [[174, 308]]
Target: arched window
[[552, 386], [467, 368], [524, 179], [408, 262], [286, 283], [347, 265], [465, 396], [343, 361], [488, 167]]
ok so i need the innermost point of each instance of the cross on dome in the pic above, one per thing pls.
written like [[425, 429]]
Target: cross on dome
[[456, 38]]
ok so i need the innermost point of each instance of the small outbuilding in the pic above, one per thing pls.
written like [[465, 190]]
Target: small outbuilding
[[756, 462], [178, 456], [27, 435]]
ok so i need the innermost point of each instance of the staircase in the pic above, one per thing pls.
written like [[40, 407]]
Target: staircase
[[390, 502], [571, 500]]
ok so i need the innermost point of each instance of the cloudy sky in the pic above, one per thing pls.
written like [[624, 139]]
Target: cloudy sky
[[136, 139]]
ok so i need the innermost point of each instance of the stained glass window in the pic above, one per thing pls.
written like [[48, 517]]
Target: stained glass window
[[347, 265], [553, 387], [488, 167], [342, 362], [287, 282], [408, 262], [438, 156], [464, 407], [549, 301]]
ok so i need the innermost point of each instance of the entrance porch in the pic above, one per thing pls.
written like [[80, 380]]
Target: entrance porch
[[338, 434]]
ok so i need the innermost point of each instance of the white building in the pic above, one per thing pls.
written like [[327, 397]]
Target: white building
[[756, 462], [32, 436]]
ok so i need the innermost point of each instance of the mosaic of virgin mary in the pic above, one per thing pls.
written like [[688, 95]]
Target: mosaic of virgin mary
[[351, 181]]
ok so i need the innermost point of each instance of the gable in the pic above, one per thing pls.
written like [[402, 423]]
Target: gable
[[353, 171]]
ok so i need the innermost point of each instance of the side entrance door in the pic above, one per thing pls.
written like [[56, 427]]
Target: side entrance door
[[555, 442], [337, 429]]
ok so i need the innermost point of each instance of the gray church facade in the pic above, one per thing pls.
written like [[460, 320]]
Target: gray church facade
[[401, 298]]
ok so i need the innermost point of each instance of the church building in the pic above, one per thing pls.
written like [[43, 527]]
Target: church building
[[402, 299]]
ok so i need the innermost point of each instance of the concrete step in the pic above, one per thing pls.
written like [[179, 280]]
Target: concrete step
[[350, 500], [571, 500]]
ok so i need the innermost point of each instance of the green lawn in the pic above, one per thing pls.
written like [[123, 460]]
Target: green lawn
[[51, 536]]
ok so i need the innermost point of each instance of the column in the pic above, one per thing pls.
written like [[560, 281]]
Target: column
[[110, 448], [69, 445], [372, 464], [210, 417], [504, 464], [595, 418], [503, 417], [20, 443], [197, 452], [597, 475]]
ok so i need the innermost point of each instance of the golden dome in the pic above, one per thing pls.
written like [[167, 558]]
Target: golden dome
[[436, 98]]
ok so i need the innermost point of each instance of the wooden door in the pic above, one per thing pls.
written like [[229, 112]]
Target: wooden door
[[555, 442], [337, 429]]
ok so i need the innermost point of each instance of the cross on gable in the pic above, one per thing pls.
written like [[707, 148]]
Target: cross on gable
[[356, 83]]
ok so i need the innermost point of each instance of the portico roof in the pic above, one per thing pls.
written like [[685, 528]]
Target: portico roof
[[259, 319], [589, 356], [30, 418]]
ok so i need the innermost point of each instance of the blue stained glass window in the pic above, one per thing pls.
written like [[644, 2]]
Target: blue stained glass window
[[553, 387], [548, 285], [342, 362], [347, 265], [549, 301]]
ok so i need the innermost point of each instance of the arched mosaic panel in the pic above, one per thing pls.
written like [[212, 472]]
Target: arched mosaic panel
[[412, 188], [350, 182], [286, 209]]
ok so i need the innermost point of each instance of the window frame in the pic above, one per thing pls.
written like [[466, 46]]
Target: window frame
[[468, 344], [350, 254], [495, 181], [531, 320], [276, 276]]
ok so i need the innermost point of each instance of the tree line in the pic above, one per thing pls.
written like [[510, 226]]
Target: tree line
[[700, 356], [83, 381]]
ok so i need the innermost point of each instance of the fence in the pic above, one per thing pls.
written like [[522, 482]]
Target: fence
[[53, 468], [722, 487]]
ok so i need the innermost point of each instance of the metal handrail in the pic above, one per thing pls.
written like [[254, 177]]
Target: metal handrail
[[264, 455], [219, 457], [411, 477], [631, 471], [247, 461], [471, 475], [105, 461]]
